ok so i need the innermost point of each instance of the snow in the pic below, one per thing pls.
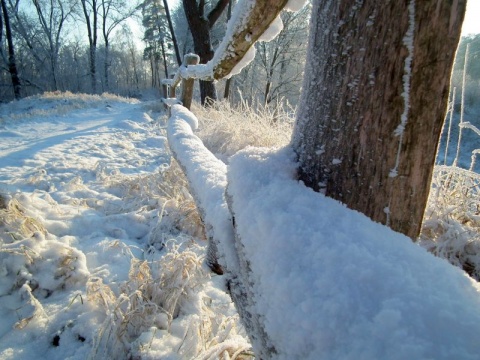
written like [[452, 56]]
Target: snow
[[208, 180], [83, 174], [247, 59], [329, 283], [273, 30]]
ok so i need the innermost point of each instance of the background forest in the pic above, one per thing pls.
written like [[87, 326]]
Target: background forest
[[125, 47], [102, 247]]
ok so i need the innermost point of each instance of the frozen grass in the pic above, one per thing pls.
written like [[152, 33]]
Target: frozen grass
[[225, 129], [15, 223], [56, 104], [155, 295], [145, 301], [140, 312], [166, 190], [451, 228]]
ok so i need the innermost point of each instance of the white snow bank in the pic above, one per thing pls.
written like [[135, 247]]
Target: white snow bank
[[331, 284], [207, 178]]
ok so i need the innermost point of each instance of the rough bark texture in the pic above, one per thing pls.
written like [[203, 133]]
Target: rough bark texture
[[346, 133]]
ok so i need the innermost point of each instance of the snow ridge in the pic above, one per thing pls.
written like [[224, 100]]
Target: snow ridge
[[331, 284]]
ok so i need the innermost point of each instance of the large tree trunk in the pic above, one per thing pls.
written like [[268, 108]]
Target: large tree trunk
[[12, 66], [200, 26], [374, 99], [202, 46]]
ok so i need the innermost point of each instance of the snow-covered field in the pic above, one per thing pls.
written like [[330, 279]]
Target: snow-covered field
[[102, 250], [93, 261]]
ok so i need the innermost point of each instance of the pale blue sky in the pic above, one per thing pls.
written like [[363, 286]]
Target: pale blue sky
[[471, 24]]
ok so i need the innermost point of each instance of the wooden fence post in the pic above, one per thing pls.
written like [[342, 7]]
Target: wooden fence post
[[187, 84], [164, 90], [173, 87]]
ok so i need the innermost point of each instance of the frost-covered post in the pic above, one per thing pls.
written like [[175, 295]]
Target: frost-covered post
[[187, 84], [374, 99]]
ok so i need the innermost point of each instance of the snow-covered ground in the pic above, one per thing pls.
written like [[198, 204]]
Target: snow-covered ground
[[90, 263], [97, 260]]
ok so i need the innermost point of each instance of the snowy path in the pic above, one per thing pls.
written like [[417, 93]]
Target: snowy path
[[80, 170]]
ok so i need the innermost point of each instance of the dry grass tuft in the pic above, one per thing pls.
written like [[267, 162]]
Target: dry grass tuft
[[451, 227], [144, 301], [166, 190], [225, 129], [15, 224]]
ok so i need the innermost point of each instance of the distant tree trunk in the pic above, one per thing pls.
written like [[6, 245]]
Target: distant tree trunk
[[226, 92], [172, 33], [373, 103], [92, 39], [52, 16], [106, 64], [164, 58], [200, 26], [12, 66]]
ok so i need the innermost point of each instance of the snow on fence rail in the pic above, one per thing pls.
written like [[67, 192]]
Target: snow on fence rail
[[251, 21]]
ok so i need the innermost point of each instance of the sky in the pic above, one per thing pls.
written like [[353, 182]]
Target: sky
[[471, 25]]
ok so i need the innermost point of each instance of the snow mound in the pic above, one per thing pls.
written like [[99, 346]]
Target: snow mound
[[331, 284]]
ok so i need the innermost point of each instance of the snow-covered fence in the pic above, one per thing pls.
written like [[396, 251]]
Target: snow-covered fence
[[251, 21], [207, 178], [169, 86]]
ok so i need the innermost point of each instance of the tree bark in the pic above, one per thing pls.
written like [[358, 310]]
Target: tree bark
[[200, 26], [12, 66], [373, 104]]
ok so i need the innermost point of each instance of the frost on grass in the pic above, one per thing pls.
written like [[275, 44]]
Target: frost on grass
[[84, 225], [226, 129], [451, 225], [332, 284]]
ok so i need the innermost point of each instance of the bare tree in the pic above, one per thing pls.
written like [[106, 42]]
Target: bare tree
[[52, 15], [12, 65], [90, 10], [282, 60], [172, 32], [114, 12], [374, 99]]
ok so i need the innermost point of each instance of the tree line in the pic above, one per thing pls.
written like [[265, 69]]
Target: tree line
[[88, 46]]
